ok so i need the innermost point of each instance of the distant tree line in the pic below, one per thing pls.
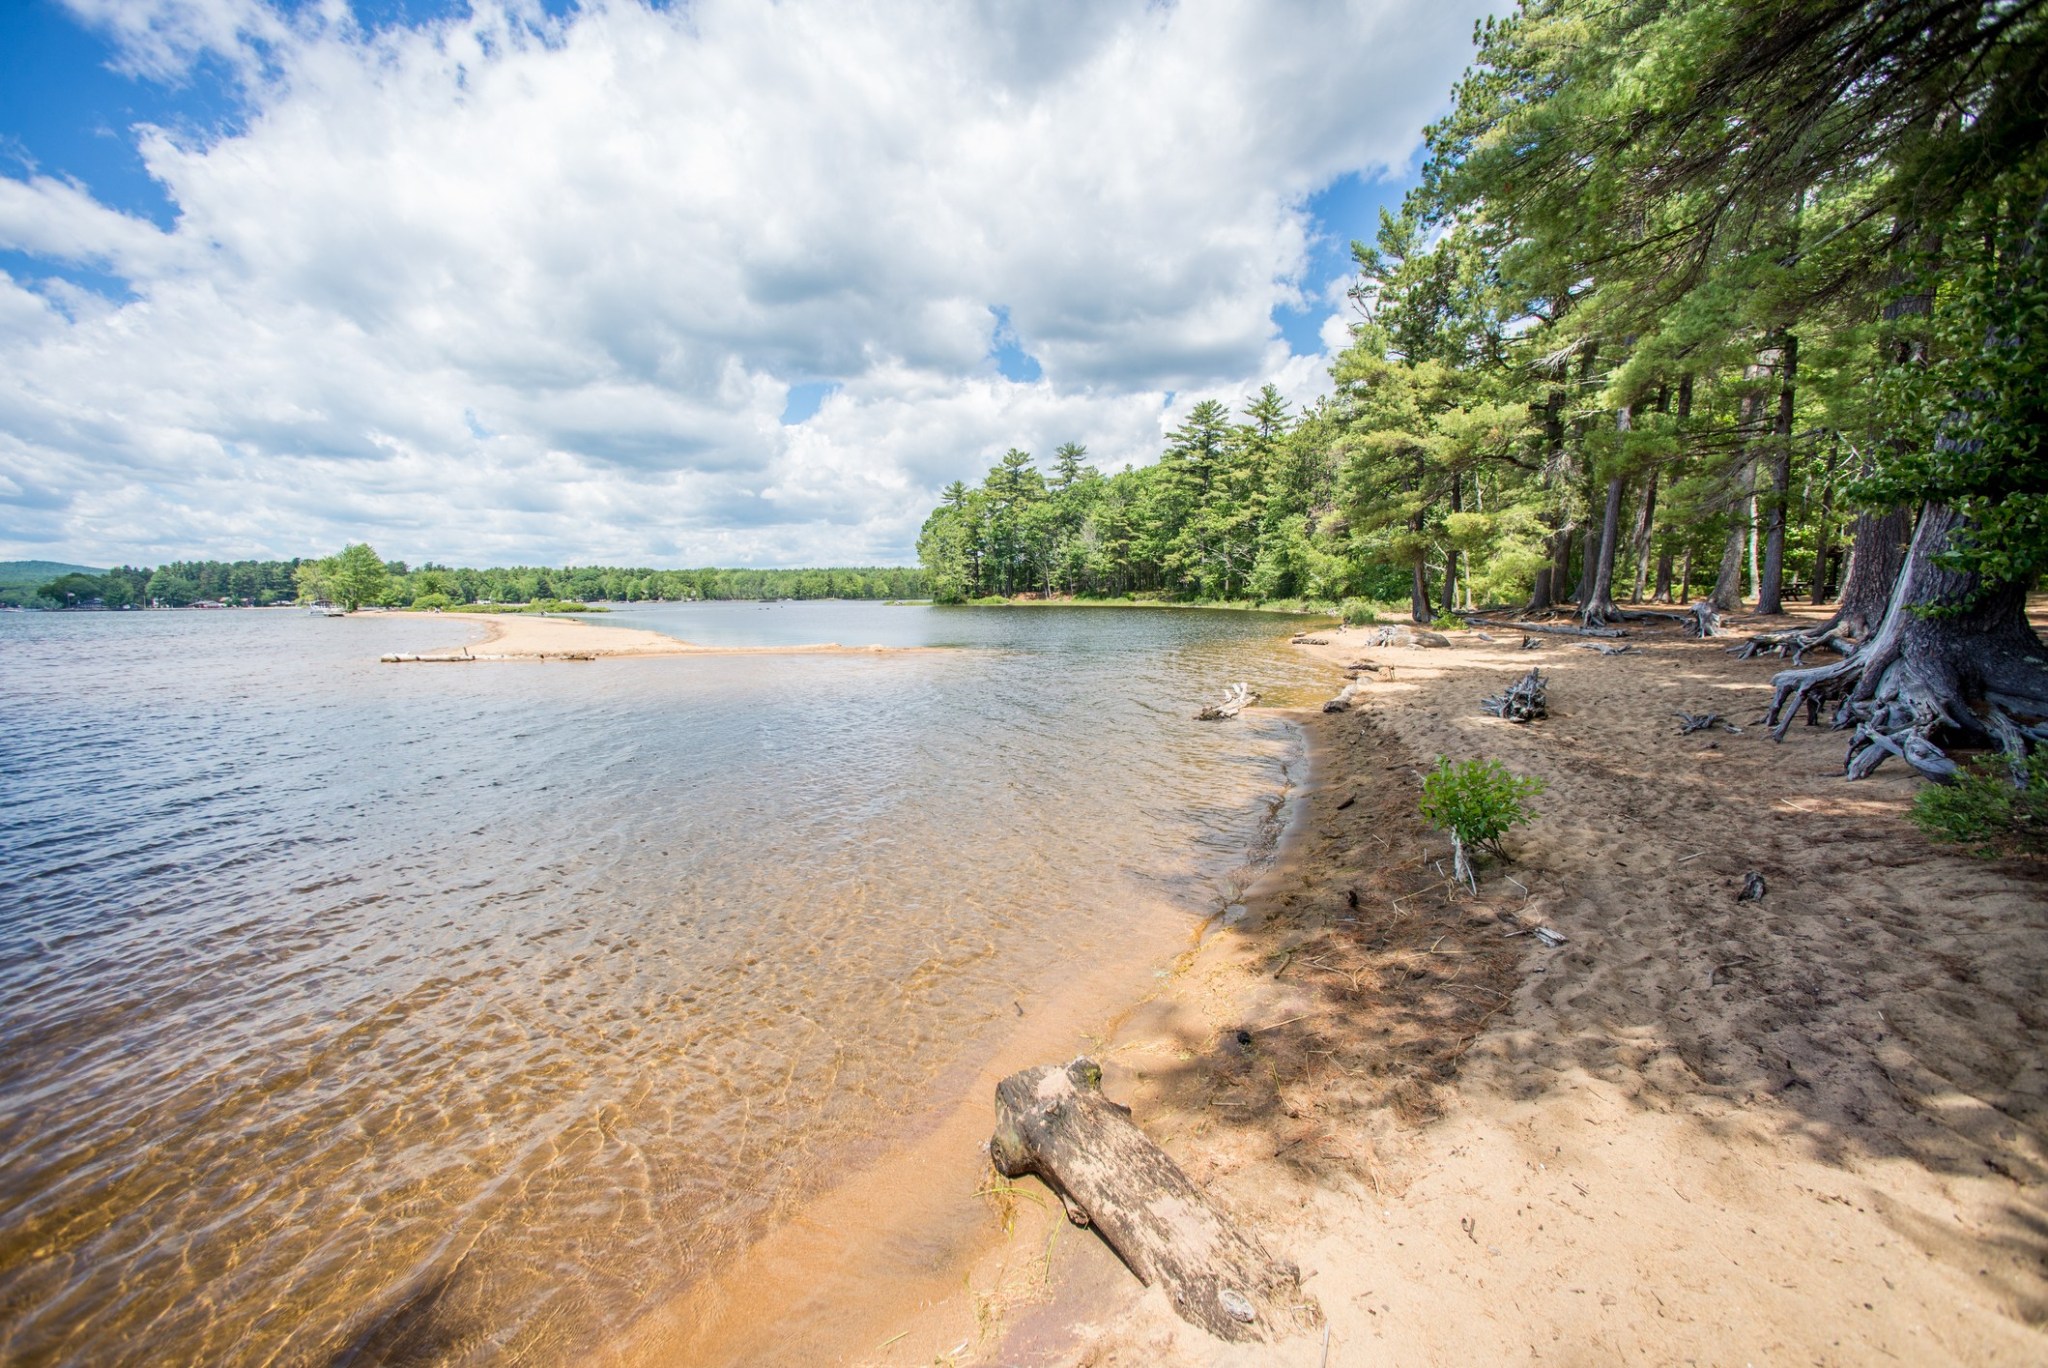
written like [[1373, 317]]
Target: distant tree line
[[357, 576]]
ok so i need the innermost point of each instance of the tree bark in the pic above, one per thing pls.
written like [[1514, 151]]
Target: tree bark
[[1053, 1122], [1876, 557], [1451, 551], [1644, 521], [1770, 584], [1824, 540], [1727, 596], [1600, 608], [1548, 580]]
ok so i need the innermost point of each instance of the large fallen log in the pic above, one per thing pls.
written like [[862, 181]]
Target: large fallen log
[[1054, 1123], [1572, 631], [1236, 701]]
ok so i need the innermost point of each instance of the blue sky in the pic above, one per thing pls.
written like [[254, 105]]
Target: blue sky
[[745, 285]]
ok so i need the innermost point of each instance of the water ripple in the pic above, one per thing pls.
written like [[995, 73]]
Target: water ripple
[[358, 1014]]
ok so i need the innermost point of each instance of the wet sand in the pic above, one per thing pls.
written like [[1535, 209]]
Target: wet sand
[[1810, 1130], [523, 636]]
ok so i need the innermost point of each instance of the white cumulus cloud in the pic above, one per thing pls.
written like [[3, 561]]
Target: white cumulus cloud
[[506, 286]]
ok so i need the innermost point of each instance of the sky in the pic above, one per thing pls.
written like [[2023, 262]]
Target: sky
[[602, 281]]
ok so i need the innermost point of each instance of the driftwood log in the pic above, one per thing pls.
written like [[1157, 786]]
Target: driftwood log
[[1702, 621], [1406, 636], [1523, 701], [1054, 1123], [1236, 701], [1560, 630], [1342, 702]]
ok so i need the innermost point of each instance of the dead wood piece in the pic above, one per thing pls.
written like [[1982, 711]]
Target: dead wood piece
[[1053, 1122], [1234, 702], [1549, 937], [1561, 630], [1752, 888], [1530, 643], [408, 658], [1691, 722], [1523, 701], [1304, 639], [1702, 621], [1407, 636], [1343, 699], [1605, 649]]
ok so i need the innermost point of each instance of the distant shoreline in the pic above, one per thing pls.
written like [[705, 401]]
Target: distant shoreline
[[520, 637]]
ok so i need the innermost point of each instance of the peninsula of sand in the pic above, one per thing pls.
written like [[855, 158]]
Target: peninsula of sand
[[519, 636]]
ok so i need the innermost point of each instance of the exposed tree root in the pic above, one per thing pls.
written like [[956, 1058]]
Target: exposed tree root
[[1977, 676], [1798, 642]]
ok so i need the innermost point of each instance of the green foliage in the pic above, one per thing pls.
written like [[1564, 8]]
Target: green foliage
[[432, 602], [1986, 811], [1448, 622], [1479, 800], [1977, 412], [357, 576], [312, 581], [1359, 612]]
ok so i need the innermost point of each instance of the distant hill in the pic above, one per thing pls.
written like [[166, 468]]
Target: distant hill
[[29, 574]]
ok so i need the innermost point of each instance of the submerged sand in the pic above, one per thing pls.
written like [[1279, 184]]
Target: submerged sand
[[521, 636], [1809, 1130]]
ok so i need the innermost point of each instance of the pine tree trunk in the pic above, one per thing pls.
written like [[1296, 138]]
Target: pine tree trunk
[[1644, 523], [1597, 608], [1549, 580], [1823, 555], [1728, 587], [1451, 555], [1770, 585], [1876, 557]]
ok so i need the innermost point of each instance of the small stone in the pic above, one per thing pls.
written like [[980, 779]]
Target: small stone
[[1236, 1305]]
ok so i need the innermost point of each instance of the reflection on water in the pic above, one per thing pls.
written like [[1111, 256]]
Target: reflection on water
[[367, 1014]]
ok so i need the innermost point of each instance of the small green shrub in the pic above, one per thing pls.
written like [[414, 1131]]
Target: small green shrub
[[1359, 612], [1983, 810], [428, 602], [1448, 622], [1478, 800]]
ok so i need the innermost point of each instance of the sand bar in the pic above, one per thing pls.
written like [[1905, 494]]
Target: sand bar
[[522, 636]]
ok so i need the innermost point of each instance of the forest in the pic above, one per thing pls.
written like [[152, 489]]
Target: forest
[[1742, 302], [358, 576]]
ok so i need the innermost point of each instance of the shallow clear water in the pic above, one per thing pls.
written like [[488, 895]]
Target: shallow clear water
[[452, 1014]]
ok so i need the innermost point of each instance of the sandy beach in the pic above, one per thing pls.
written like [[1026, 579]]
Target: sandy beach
[[1700, 1131], [531, 637]]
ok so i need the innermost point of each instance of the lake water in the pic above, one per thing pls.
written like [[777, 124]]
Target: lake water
[[357, 1013]]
